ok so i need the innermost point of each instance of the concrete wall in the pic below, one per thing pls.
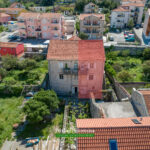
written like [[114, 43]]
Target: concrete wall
[[138, 102]]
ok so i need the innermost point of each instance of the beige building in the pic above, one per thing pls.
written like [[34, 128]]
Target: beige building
[[92, 25], [69, 25], [91, 8]]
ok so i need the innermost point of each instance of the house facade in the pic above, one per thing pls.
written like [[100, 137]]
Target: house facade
[[133, 1], [4, 18], [73, 69], [114, 133], [16, 49], [141, 101], [91, 8], [146, 28], [40, 26], [17, 5], [92, 25], [69, 26], [121, 16], [38, 9], [13, 12]]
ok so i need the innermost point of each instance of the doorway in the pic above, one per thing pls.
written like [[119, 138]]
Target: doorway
[[76, 90]]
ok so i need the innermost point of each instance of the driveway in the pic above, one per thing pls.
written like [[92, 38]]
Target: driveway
[[118, 37]]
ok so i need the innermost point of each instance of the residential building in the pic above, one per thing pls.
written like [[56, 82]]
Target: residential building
[[133, 1], [76, 67], [40, 25], [16, 49], [17, 5], [38, 9], [114, 134], [141, 101], [90, 8], [69, 25], [146, 28], [121, 16], [4, 18], [92, 25], [13, 12]]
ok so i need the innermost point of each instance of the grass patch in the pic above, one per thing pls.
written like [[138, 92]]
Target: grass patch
[[10, 113]]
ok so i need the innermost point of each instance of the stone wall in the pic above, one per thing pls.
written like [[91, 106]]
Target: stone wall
[[120, 91]]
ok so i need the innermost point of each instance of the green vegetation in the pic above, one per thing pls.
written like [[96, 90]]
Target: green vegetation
[[83, 36], [42, 104], [10, 113], [146, 54], [131, 23], [2, 28]]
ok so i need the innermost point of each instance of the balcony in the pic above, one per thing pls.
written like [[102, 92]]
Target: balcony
[[87, 31], [94, 31], [70, 71], [87, 24], [55, 22], [96, 24], [38, 29]]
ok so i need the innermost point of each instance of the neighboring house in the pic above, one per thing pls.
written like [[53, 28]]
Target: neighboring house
[[38, 9], [91, 8], [40, 25], [76, 67], [146, 28], [16, 5], [69, 25], [16, 49], [141, 101], [133, 1], [121, 16], [92, 25], [114, 134], [4, 18], [13, 12]]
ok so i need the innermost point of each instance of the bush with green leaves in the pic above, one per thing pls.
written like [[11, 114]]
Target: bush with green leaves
[[146, 54], [83, 36], [109, 69], [146, 70], [3, 72], [125, 76], [117, 67], [42, 104]]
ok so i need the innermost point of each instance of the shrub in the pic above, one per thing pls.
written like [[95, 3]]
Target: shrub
[[117, 67], [83, 36], [3, 72], [124, 76], [146, 70], [125, 53], [146, 54], [109, 69]]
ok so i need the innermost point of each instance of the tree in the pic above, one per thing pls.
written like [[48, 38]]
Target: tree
[[78, 26], [83, 36], [131, 24], [9, 62], [146, 54], [124, 76], [48, 97], [109, 69], [36, 111], [146, 70], [3, 72]]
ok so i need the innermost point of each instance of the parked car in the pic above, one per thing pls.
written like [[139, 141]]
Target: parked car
[[132, 39], [137, 26], [12, 37], [111, 38], [19, 39], [32, 141]]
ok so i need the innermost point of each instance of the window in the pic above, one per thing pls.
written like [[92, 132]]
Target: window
[[75, 77], [113, 145], [75, 66], [91, 77], [91, 65], [61, 76]]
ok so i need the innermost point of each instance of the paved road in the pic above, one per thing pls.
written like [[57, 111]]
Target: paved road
[[4, 36], [118, 37]]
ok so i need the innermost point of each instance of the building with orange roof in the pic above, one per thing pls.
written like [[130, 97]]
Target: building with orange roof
[[76, 67], [114, 134], [13, 12], [127, 11], [92, 25], [17, 5], [133, 1], [4, 18], [41, 25], [8, 48], [141, 101]]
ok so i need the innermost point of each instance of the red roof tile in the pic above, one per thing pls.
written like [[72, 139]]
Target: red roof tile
[[111, 122], [129, 136], [146, 95], [11, 9], [101, 16], [134, 4], [120, 9], [4, 15], [76, 50], [8, 44], [13, 5]]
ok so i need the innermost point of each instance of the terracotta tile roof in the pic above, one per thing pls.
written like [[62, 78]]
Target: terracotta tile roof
[[111, 122], [11, 9], [76, 50], [63, 50], [120, 9], [9, 44], [91, 50], [40, 15], [13, 5], [134, 1], [129, 136], [133, 4], [74, 38], [146, 95], [100, 16], [4, 15]]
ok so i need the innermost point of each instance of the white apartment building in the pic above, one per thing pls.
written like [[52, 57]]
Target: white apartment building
[[121, 16]]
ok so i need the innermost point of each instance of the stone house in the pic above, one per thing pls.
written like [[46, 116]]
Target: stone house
[[91, 8]]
